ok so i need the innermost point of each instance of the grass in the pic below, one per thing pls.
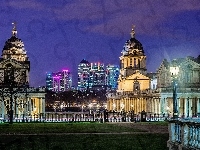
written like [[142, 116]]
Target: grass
[[77, 141], [36, 128], [85, 142]]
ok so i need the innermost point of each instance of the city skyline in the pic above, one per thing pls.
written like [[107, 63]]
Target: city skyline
[[59, 35]]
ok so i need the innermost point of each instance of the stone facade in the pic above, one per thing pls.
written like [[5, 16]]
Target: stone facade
[[153, 92], [15, 93], [134, 84], [188, 86]]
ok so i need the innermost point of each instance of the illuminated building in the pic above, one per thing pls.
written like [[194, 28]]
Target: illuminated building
[[83, 75], [14, 56], [59, 81], [112, 74], [49, 80], [134, 91], [91, 76], [153, 92], [16, 95], [97, 76], [188, 86]]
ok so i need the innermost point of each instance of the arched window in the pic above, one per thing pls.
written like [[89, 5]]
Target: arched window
[[130, 61], [134, 62], [138, 63]]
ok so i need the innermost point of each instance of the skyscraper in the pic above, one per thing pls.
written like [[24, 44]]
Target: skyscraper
[[49, 80], [112, 74], [94, 76], [83, 75], [97, 76], [59, 81]]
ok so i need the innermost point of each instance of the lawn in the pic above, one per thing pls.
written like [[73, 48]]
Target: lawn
[[42, 128], [85, 137]]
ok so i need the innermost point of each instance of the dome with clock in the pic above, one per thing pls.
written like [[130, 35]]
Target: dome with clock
[[14, 47]]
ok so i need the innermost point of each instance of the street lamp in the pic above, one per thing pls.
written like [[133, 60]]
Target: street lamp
[[174, 73]]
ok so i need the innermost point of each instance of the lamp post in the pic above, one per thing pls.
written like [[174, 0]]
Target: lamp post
[[174, 73]]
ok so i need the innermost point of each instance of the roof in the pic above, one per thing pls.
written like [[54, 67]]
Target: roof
[[84, 61]]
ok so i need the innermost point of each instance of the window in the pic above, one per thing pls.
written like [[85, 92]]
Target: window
[[130, 61], [136, 86]]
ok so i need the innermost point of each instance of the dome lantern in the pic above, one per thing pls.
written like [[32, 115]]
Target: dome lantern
[[14, 30], [133, 32]]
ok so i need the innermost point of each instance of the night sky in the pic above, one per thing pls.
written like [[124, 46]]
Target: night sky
[[58, 34]]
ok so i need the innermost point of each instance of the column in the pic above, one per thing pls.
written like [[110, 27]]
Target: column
[[190, 107], [178, 107], [163, 105], [198, 107], [185, 107], [159, 106], [2, 108], [137, 105]]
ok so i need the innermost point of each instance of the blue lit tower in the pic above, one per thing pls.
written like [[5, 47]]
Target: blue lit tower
[[83, 75], [97, 76], [49, 80], [112, 74]]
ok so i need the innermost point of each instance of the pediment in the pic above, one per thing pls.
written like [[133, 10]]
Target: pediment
[[137, 76], [190, 64]]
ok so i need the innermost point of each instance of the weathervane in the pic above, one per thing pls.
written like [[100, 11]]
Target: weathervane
[[14, 30], [133, 31]]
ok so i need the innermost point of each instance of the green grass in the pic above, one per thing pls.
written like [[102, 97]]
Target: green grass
[[85, 142], [35, 128], [77, 140]]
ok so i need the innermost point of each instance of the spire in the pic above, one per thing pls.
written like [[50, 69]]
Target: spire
[[14, 30], [133, 32]]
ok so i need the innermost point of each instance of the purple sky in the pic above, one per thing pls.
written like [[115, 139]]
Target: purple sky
[[58, 34]]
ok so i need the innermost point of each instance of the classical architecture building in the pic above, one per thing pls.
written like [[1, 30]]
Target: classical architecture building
[[153, 92], [134, 91], [16, 95], [188, 86]]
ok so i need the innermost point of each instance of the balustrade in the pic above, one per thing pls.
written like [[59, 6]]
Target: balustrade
[[184, 134]]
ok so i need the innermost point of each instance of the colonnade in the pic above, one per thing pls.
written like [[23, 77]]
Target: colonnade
[[148, 104], [187, 106], [34, 104]]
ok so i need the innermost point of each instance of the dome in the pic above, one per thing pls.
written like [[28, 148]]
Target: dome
[[14, 43], [132, 44], [14, 48]]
